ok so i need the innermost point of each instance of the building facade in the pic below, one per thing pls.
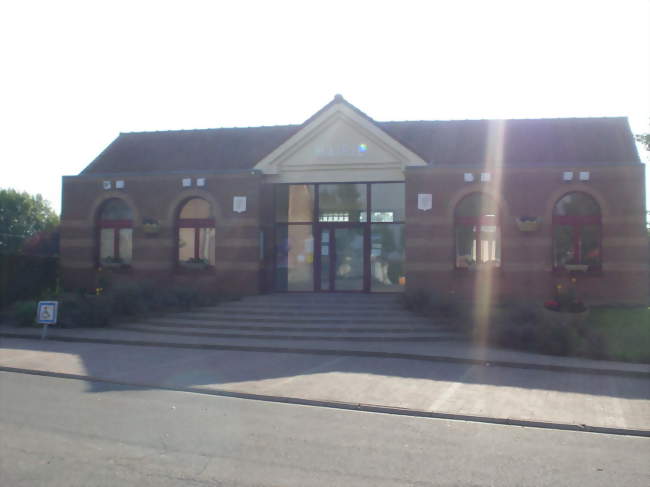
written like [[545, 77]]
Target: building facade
[[342, 203]]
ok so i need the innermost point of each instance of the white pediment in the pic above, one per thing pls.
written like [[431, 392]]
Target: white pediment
[[339, 145]]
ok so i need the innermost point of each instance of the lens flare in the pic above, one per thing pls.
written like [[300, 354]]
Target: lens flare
[[485, 285]]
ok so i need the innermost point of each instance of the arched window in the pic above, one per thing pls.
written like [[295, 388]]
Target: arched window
[[577, 231], [115, 228], [196, 234], [478, 236]]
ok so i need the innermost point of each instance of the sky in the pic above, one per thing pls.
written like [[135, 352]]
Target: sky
[[76, 74]]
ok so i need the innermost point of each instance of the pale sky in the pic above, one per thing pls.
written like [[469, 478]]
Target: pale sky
[[76, 74]]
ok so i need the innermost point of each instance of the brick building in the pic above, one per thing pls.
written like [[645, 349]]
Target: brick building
[[345, 203]]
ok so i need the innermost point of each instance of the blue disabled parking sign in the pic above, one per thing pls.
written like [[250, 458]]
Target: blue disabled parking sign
[[46, 314]]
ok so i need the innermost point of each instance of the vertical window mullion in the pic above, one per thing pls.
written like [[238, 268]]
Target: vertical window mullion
[[116, 243], [577, 244], [197, 232], [479, 243]]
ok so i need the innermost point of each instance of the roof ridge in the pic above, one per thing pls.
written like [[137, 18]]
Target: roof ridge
[[296, 125], [207, 129], [614, 117]]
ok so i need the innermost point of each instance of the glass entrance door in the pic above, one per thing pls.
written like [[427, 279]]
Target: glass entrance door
[[342, 258], [339, 237]]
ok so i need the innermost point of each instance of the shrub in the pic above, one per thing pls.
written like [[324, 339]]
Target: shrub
[[523, 313], [24, 277], [445, 306], [128, 298], [557, 340], [79, 310], [186, 296], [24, 312], [416, 301]]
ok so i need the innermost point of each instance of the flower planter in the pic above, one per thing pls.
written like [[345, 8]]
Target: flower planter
[[576, 267], [151, 229], [115, 265], [527, 225], [194, 266], [565, 318]]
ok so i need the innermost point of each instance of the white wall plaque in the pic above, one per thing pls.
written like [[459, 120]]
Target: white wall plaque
[[584, 175], [107, 185], [425, 201], [468, 177], [239, 204], [200, 182], [485, 177], [119, 184], [187, 182], [567, 176]]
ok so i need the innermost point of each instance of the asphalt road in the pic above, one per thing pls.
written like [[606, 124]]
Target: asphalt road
[[63, 432]]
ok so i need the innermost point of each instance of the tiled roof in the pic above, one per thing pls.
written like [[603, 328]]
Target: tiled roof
[[577, 141]]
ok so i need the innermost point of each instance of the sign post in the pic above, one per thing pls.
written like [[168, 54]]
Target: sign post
[[46, 315]]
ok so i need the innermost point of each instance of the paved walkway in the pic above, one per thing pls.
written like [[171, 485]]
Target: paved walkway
[[340, 349], [449, 349], [597, 400]]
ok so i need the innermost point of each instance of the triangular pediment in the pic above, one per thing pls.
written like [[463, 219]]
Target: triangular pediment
[[339, 144]]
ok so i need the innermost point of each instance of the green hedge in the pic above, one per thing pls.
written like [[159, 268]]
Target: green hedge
[[25, 277], [120, 300]]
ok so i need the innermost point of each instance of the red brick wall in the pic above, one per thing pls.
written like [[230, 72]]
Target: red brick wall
[[159, 197], [527, 272]]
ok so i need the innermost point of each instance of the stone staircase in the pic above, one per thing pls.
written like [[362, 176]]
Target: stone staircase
[[312, 318]]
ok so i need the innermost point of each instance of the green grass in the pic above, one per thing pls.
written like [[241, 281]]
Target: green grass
[[626, 332]]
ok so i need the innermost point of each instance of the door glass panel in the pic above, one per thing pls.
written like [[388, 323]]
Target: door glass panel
[[349, 259], [325, 260], [116, 209], [342, 203], [387, 258], [387, 202], [196, 208], [490, 248], [563, 245], [206, 244], [106, 243], [126, 245], [577, 204], [294, 202], [294, 258], [465, 246], [590, 245], [185, 244]]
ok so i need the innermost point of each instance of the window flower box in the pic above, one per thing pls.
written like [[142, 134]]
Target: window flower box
[[576, 267], [195, 264], [151, 227], [528, 223], [113, 263]]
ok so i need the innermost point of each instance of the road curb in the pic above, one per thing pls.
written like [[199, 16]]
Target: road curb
[[368, 337], [346, 353], [370, 408]]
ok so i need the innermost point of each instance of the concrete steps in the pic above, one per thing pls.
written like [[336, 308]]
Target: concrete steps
[[309, 318], [293, 335], [289, 326]]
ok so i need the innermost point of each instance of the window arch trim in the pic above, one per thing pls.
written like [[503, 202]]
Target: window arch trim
[[480, 240], [122, 233], [201, 233], [576, 225]]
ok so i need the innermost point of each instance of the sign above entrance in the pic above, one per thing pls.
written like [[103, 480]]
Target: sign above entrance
[[339, 145], [341, 150]]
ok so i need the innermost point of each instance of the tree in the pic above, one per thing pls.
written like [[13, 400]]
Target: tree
[[23, 217], [644, 139]]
